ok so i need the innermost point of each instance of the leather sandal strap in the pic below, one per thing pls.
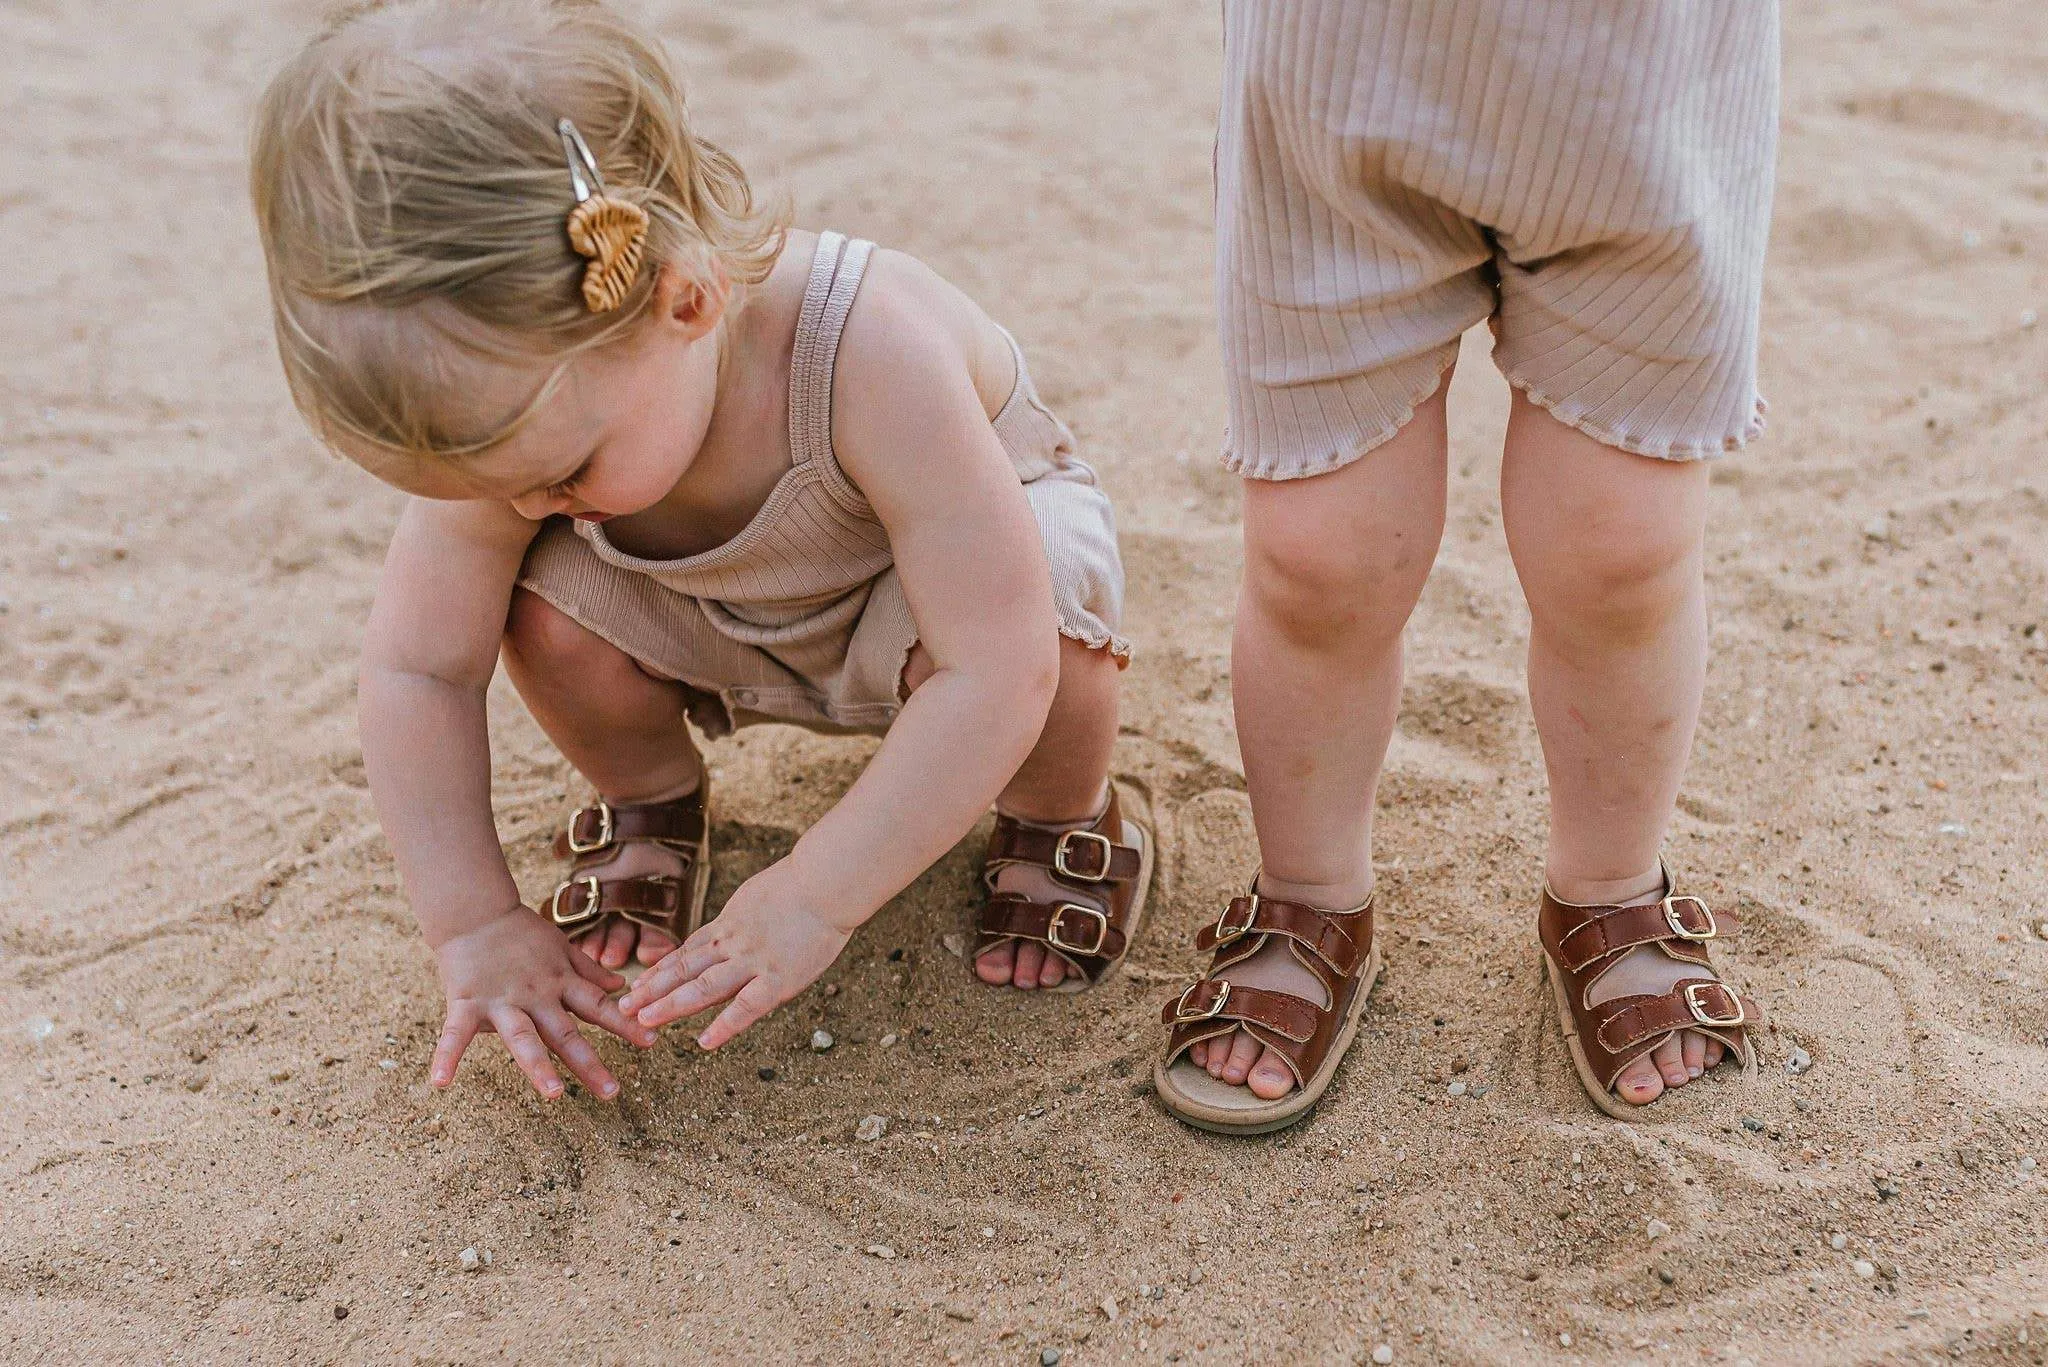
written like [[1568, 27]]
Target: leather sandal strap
[[1332, 937], [678, 824], [1078, 857], [1078, 931], [1609, 930], [1213, 999], [583, 902], [1694, 1003]]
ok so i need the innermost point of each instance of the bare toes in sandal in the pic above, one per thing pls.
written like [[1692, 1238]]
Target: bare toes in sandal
[[1065, 902], [1641, 1006], [637, 882], [1255, 1042]]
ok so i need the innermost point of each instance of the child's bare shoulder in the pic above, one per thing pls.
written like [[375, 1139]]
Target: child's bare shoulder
[[914, 332]]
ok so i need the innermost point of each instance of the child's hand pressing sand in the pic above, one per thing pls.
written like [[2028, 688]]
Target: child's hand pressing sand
[[519, 977], [770, 942]]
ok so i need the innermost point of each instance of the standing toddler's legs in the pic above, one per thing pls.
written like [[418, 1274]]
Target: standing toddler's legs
[[1334, 565], [1608, 546]]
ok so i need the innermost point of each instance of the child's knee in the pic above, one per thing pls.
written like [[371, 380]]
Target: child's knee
[[547, 639], [1618, 583], [1312, 583]]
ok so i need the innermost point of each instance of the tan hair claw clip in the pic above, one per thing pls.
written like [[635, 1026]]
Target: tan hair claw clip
[[611, 232]]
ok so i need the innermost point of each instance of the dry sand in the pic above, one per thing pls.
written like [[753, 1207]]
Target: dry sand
[[215, 1013]]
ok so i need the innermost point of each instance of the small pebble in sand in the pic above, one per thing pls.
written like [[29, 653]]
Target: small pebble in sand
[[821, 1040], [1628, 1188], [1799, 1062], [1564, 1340], [2027, 1163], [988, 1231], [888, 1041], [387, 1064], [1656, 1229], [1838, 1241], [471, 1260], [1863, 1267], [1108, 1308], [882, 1251], [1666, 1276], [955, 943], [871, 1128], [1457, 1089], [1752, 1124], [281, 1075], [1383, 1354], [831, 989], [341, 1312], [765, 1074]]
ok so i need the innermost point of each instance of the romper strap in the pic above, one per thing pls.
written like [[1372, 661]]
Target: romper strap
[[836, 271]]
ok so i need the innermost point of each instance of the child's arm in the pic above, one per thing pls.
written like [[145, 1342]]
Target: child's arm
[[428, 657], [912, 432]]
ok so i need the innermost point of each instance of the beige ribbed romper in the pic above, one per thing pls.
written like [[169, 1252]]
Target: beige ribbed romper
[[801, 618], [1594, 176]]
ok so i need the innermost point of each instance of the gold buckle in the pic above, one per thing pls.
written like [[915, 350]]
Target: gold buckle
[[1059, 916], [1684, 932], [1059, 855], [1225, 932], [604, 829], [1214, 1009], [591, 889], [1703, 1016]]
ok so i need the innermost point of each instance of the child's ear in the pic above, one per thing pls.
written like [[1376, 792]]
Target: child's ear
[[693, 300]]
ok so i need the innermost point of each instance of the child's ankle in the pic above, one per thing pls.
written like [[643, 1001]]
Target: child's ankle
[[1343, 894], [1040, 817], [1606, 892], [648, 796]]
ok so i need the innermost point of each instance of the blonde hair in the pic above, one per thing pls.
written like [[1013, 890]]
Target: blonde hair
[[413, 200]]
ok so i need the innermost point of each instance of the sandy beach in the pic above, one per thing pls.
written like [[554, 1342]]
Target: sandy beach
[[215, 1012]]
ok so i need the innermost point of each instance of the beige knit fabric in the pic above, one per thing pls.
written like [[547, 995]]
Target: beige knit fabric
[[801, 617], [1595, 175]]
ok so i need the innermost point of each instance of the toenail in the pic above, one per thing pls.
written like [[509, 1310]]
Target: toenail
[[1692, 1072]]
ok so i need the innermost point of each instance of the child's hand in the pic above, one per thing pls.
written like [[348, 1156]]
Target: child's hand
[[769, 943], [519, 976]]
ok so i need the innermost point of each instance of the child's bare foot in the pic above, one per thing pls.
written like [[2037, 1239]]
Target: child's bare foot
[[1239, 1057], [1109, 860], [1641, 1005], [638, 881], [618, 941]]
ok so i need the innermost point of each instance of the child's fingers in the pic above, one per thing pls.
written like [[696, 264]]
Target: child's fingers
[[528, 1050], [753, 1001], [596, 972], [709, 988], [558, 1028], [460, 1028], [593, 1004], [676, 967]]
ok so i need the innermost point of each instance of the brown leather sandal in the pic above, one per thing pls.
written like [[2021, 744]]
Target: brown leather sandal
[[1109, 861], [1580, 943], [1336, 946], [584, 902]]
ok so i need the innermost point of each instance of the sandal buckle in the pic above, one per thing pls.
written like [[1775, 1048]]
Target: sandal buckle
[[1182, 1013], [1226, 932], [1062, 860], [1058, 922], [1678, 925], [1703, 1015], [593, 895], [605, 829]]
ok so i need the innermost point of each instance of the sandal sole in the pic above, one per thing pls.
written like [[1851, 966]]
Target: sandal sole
[[1267, 1116]]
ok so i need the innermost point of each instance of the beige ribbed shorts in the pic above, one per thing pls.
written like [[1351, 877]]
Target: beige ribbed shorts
[[1593, 176]]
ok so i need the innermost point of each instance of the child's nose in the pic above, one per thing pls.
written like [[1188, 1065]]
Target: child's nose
[[534, 507]]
